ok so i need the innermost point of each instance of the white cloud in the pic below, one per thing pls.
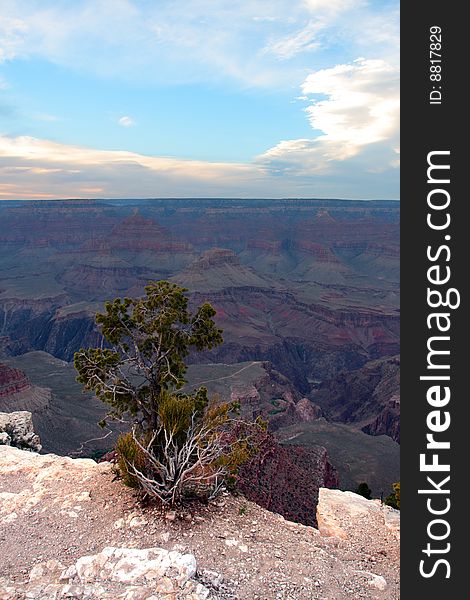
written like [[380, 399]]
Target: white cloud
[[126, 121], [354, 107], [192, 40], [362, 104], [301, 41], [46, 117], [35, 168], [29, 165], [320, 25], [13, 31]]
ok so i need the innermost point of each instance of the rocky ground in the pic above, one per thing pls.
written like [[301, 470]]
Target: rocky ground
[[69, 529]]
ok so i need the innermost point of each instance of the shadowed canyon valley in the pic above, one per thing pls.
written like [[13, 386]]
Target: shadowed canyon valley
[[306, 292]]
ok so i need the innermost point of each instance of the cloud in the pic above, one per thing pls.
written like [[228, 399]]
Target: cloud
[[13, 31], [320, 16], [291, 45], [35, 168], [362, 104], [354, 107], [351, 107], [46, 117], [28, 166], [126, 121], [351, 27], [193, 40]]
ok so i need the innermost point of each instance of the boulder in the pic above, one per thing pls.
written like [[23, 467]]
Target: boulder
[[5, 439], [340, 514], [19, 430], [127, 573]]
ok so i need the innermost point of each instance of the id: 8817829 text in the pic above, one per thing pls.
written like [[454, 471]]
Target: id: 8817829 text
[[435, 64]]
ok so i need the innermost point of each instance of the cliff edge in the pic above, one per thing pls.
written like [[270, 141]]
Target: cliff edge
[[70, 530]]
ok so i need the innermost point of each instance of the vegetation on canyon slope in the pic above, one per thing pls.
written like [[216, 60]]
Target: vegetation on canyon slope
[[180, 443]]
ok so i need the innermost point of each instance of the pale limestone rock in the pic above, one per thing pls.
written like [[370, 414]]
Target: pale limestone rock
[[19, 428], [43, 472], [137, 522], [339, 512], [212, 577], [43, 572], [127, 573], [5, 439], [378, 582], [69, 573], [165, 586], [132, 565], [9, 518], [87, 569], [374, 581], [392, 520]]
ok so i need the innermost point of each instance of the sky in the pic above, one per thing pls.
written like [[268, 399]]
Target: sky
[[199, 98]]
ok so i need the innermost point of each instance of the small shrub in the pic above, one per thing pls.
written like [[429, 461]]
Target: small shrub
[[393, 499], [242, 510], [364, 490], [175, 413], [195, 452], [129, 456]]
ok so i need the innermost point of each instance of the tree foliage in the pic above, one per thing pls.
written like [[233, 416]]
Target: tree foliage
[[393, 499], [364, 490], [149, 339], [180, 443]]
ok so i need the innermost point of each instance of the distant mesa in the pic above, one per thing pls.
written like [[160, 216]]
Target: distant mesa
[[323, 216], [216, 257], [136, 225], [217, 269], [137, 233], [320, 251]]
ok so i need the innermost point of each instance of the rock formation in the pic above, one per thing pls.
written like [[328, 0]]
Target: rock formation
[[339, 513], [69, 530], [387, 421], [127, 573], [329, 271], [17, 393], [312, 286], [368, 397], [16, 429], [12, 381], [287, 479]]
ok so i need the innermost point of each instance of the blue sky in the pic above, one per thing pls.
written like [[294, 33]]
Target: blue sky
[[141, 98]]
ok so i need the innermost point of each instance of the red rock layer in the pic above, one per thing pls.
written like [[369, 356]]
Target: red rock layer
[[286, 479], [12, 381]]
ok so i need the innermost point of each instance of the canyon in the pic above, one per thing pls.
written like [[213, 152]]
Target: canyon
[[306, 291]]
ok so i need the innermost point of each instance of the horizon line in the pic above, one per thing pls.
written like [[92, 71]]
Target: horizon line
[[177, 198]]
